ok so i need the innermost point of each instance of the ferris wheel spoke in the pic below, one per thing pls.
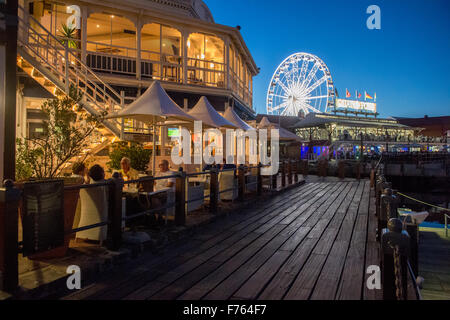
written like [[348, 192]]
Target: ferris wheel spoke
[[316, 97], [311, 74], [303, 71], [310, 107], [278, 96], [316, 84], [282, 105], [298, 85], [283, 86]]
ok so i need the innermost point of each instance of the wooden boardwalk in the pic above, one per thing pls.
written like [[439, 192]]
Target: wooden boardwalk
[[311, 242]]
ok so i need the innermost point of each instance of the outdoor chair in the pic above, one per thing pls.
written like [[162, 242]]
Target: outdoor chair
[[195, 193], [94, 209], [227, 181]]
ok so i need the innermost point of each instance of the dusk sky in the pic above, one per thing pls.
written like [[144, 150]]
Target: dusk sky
[[407, 62]]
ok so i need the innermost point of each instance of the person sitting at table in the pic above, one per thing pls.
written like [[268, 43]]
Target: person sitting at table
[[160, 199], [164, 171], [94, 207], [226, 166], [127, 172], [80, 172]]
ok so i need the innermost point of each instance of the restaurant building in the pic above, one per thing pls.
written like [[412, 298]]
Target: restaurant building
[[113, 50], [343, 136]]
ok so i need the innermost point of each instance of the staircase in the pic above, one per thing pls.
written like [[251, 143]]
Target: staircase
[[57, 68]]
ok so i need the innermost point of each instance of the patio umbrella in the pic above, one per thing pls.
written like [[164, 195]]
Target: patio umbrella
[[205, 112], [152, 107], [232, 116], [284, 134]]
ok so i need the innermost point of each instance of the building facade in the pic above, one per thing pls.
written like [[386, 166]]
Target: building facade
[[344, 136], [114, 50]]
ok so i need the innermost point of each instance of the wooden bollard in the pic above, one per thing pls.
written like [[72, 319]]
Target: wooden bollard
[[395, 250], [283, 174]]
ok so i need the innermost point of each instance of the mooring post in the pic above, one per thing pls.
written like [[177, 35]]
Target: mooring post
[[115, 226], [395, 250]]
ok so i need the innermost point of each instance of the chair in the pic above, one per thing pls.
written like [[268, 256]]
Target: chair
[[195, 193], [94, 209], [227, 181]]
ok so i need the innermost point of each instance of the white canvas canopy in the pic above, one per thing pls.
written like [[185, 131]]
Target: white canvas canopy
[[232, 116], [152, 107], [206, 113], [284, 134]]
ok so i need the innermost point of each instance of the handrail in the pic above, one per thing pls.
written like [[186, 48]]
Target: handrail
[[68, 68], [21, 9], [414, 281]]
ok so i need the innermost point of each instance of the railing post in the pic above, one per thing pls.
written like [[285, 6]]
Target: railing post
[[358, 170], [296, 171], [283, 174], [241, 182], [381, 180], [9, 268], [213, 190], [180, 198], [115, 226], [395, 250], [341, 169], [259, 180], [67, 65], [372, 178], [274, 181], [305, 168], [289, 170]]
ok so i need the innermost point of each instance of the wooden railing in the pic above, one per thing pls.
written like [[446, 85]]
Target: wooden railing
[[398, 244]]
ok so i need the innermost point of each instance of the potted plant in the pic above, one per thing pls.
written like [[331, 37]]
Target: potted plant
[[44, 156]]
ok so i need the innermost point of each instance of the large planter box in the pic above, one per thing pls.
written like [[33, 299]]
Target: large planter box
[[71, 198]]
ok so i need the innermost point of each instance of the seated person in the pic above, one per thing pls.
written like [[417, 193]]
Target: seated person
[[226, 166], [163, 172], [94, 207], [80, 172], [161, 199], [127, 172]]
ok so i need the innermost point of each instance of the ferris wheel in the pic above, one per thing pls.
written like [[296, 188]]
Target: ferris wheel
[[301, 84]]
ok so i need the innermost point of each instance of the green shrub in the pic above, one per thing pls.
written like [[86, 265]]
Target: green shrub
[[139, 156]]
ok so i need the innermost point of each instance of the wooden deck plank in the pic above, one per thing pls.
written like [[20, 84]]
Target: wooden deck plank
[[372, 256], [175, 255], [212, 280], [328, 281], [305, 283], [282, 281], [243, 235], [351, 283], [226, 289]]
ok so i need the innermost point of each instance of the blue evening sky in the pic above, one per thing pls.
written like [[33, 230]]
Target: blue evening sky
[[407, 62]]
